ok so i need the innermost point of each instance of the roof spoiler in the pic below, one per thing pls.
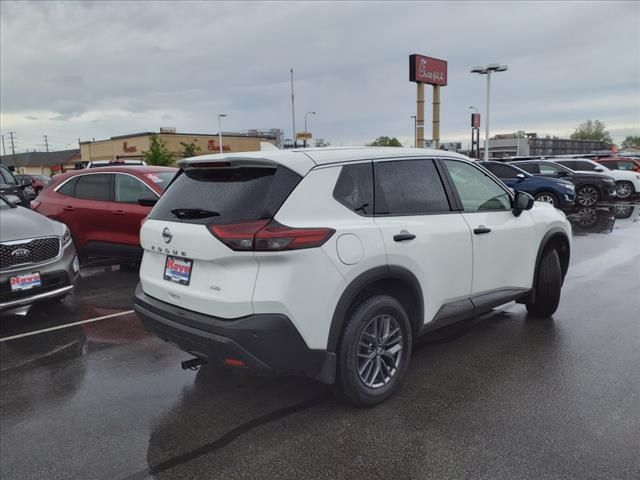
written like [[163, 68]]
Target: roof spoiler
[[226, 162]]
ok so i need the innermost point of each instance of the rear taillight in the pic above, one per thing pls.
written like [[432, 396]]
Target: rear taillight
[[269, 236]]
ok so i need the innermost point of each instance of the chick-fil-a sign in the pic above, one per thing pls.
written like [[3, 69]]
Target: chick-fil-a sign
[[427, 70]]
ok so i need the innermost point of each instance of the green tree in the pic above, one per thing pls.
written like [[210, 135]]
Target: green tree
[[189, 149], [386, 142], [158, 153], [631, 141], [592, 130]]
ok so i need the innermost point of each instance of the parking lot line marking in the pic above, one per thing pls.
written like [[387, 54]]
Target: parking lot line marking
[[66, 325]]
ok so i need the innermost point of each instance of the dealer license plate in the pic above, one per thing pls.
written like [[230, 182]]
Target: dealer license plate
[[178, 270], [26, 281]]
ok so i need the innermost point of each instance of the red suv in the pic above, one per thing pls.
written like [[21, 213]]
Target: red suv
[[620, 163], [103, 207]]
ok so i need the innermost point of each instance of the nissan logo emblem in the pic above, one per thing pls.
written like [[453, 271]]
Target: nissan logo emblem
[[20, 253], [166, 234]]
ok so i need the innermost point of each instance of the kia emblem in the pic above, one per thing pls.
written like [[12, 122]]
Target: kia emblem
[[20, 253], [166, 234]]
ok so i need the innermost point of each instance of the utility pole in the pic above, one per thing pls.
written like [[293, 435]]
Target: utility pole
[[4, 152], [293, 113], [46, 143], [13, 149]]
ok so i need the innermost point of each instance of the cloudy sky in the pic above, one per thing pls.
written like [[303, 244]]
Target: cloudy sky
[[97, 69]]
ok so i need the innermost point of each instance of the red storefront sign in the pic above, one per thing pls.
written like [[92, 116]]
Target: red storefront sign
[[427, 70], [475, 120], [212, 146]]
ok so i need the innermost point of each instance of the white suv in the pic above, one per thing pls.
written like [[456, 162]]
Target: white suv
[[332, 262]]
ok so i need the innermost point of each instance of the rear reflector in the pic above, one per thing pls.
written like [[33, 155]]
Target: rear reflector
[[234, 362], [269, 236]]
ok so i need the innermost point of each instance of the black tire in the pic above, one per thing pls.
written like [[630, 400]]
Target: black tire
[[349, 382], [548, 197], [624, 189], [587, 195], [548, 285]]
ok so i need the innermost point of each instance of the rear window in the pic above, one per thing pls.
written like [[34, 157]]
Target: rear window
[[354, 188], [225, 195], [161, 179]]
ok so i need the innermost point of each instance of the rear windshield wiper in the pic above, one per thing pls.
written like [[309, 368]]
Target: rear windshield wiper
[[193, 213]]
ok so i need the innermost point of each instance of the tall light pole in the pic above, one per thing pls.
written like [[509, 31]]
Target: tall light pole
[[488, 70], [293, 113], [305, 125], [415, 131], [220, 115]]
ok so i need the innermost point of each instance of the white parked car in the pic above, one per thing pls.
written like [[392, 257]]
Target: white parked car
[[627, 183], [332, 262]]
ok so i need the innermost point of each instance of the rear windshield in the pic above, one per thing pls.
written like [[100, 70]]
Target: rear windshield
[[161, 179], [225, 195]]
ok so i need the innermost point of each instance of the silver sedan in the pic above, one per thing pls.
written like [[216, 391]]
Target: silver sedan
[[38, 260]]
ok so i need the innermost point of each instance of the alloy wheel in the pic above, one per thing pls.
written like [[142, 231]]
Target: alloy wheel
[[587, 196], [623, 190], [546, 198], [379, 351]]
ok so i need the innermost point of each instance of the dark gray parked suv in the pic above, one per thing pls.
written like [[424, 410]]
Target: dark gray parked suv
[[38, 260]]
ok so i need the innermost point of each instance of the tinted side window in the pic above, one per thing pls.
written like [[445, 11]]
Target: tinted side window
[[476, 190], [530, 167], [69, 188], [8, 177], [408, 187], [621, 165], [569, 164], [501, 171], [584, 166], [130, 190], [94, 187], [354, 188], [549, 169]]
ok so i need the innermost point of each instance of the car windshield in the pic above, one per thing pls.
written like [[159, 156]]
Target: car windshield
[[6, 204]]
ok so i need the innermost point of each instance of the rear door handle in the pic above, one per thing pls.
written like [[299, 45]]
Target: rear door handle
[[118, 212], [481, 229], [68, 208], [403, 236]]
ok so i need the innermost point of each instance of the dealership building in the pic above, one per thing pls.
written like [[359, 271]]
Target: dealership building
[[133, 146], [530, 144]]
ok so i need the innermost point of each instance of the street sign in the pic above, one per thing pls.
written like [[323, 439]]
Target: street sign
[[475, 120], [303, 136]]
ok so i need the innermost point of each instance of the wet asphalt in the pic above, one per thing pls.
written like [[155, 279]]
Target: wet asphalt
[[500, 396]]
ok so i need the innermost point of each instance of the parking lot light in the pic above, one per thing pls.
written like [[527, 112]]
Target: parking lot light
[[220, 115], [487, 70]]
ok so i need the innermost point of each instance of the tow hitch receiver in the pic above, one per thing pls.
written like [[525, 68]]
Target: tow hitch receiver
[[192, 364]]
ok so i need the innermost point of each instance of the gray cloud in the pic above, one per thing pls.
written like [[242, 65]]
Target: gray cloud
[[98, 69]]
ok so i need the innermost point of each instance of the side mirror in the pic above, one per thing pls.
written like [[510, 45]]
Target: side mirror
[[147, 202], [523, 201], [599, 169], [562, 173], [521, 176]]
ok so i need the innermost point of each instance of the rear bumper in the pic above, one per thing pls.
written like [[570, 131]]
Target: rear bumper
[[267, 343]]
